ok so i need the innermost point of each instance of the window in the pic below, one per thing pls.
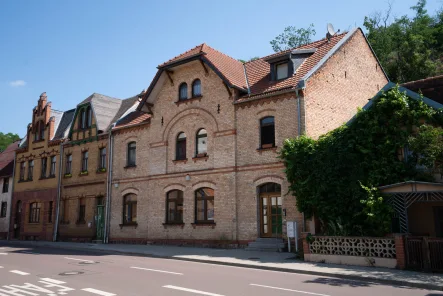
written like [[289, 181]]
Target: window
[[267, 132], [50, 211], [183, 92], [180, 153], [5, 185], [37, 132], [22, 170], [89, 116], [34, 212], [68, 169], [44, 167], [196, 88], [53, 163], [85, 155], [174, 207], [30, 170], [42, 130], [82, 211], [3, 210], [202, 140], [102, 160], [204, 208], [82, 119], [131, 154], [282, 71], [130, 209]]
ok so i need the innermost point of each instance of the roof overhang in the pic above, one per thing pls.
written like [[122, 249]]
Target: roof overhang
[[412, 186]]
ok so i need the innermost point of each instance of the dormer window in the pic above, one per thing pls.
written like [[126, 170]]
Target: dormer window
[[282, 71]]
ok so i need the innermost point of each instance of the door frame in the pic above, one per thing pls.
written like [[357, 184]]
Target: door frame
[[268, 196]]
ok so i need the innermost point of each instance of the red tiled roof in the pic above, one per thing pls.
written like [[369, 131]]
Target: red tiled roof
[[133, 118], [258, 71], [230, 68], [6, 158], [431, 87]]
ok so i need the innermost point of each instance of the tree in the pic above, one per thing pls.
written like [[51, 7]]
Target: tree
[[7, 139], [408, 48], [250, 60], [293, 37]]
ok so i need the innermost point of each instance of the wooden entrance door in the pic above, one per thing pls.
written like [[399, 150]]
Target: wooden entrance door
[[18, 219], [271, 214]]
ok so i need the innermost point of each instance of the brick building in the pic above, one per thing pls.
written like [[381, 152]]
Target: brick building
[[85, 166], [6, 180], [197, 161], [37, 173]]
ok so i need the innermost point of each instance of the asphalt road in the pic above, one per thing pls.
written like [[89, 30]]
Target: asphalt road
[[52, 272]]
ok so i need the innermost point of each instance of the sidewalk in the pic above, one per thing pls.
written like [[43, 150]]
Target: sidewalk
[[260, 260]]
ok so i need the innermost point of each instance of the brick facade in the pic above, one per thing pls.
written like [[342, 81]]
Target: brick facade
[[235, 166]]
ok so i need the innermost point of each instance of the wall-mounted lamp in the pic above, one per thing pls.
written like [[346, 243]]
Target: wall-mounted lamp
[[187, 178]]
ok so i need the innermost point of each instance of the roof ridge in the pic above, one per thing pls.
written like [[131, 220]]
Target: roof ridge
[[223, 54], [293, 48], [183, 53]]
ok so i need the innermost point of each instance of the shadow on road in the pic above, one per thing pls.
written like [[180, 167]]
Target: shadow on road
[[339, 282]]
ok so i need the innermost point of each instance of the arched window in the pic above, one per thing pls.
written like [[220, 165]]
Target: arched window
[[180, 151], [204, 205], [267, 132], [130, 209], [183, 92], [174, 207], [201, 143], [196, 88], [89, 116], [131, 154]]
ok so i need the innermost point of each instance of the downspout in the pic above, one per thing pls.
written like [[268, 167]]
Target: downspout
[[109, 187], [57, 204], [12, 194], [246, 78]]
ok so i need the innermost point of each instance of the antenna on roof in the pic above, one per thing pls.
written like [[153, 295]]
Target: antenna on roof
[[331, 32]]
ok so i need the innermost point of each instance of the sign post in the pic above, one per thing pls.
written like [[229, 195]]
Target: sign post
[[291, 232]]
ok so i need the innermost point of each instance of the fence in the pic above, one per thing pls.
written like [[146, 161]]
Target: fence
[[424, 253]]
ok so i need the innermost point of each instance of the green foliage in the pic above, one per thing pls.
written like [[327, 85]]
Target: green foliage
[[334, 177], [408, 48], [293, 37], [7, 139], [250, 60]]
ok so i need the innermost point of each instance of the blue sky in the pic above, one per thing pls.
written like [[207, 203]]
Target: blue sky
[[71, 49]]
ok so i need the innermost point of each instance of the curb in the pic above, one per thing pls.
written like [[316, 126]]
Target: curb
[[270, 268]]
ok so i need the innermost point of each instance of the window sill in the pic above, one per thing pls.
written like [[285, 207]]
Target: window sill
[[180, 161], [172, 224], [132, 166], [84, 173], [43, 178], [33, 223], [134, 224], [197, 158], [190, 100], [274, 148], [51, 176], [102, 171], [24, 181], [67, 176], [210, 224]]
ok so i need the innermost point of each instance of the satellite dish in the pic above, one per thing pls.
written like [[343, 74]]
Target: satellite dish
[[331, 31]]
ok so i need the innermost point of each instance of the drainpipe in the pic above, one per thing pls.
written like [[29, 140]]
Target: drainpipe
[[57, 204], [109, 187], [10, 200]]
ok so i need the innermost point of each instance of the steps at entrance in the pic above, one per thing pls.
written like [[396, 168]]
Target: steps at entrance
[[266, 245]]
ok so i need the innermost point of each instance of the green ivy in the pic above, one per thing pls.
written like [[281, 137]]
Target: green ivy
[[335, 177]]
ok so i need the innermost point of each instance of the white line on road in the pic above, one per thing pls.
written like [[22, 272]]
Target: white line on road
[[3, 253], [191, 290], [98, 292], [49, 280], [69, 258], [283, 289], [19, 272], [156, 270], [26, 252]]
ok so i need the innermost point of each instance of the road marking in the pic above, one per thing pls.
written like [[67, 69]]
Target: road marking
[[156, 270], [3, 253], [98, 292], [69, 258], [19, 272], [49, 280], [26, 252], [283, 289], [1, 266], [191, 290]]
